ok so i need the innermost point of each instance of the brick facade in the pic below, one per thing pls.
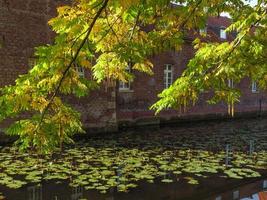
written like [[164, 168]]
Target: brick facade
[[23, 26], [132, 105]]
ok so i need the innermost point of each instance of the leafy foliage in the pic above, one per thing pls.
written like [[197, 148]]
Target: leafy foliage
[[128, 160], [104, 36], [215, 63]]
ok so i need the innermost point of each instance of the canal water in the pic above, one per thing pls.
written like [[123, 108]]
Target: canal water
[[210, 161]]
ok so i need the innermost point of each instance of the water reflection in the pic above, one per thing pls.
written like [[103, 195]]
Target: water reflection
[[236, 195], [251, 147], [77, 193], [228, 155], [252, 191], [172, 164], [35, 192], [218, 198]]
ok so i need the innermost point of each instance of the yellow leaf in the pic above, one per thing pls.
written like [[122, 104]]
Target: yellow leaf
[[86, 64]]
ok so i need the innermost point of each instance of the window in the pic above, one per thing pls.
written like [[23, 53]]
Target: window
[[222, 33], [218, 198], [231, 83], [168, 75], [254, 87], [264, 185], [125, 86], [80, 71], [236, 194], [203, 30]]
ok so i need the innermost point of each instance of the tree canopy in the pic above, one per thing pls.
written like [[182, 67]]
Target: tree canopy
[[104, 36]]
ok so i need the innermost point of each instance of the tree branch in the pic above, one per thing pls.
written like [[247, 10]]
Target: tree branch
[[135, 24], [238, 42], [89, 30]]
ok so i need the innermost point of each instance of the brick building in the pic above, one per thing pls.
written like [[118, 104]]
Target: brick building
[[133, 102], [23, 26]]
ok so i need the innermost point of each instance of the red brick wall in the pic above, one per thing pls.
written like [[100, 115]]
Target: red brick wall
[[23, 26], [134, 105]]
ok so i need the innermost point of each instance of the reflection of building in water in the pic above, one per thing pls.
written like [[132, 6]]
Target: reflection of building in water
[[110, 198], [77, 193], [263, 195], [252, 191], [259, 196], [218, 198], [111, 194], [228, 155], [251, 147], [34, 192], [236, 194]]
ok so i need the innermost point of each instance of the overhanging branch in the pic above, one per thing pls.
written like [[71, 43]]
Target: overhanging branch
[[57, 89]]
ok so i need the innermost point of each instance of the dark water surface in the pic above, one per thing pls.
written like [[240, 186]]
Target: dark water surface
[[209, 161]]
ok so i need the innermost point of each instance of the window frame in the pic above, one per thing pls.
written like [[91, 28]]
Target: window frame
[[203, 31], [166, 77], [236, 194], [125, 86], [264, 184], [80, 71], [254, 87], [223, 34], [231, 83]]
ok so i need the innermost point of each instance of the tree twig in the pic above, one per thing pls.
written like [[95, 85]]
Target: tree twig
[[89, 30]]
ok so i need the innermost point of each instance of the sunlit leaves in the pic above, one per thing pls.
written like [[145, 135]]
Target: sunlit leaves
[[216, 63], [105, 37]]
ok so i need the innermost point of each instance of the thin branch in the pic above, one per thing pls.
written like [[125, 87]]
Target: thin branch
[[111, 27], [237, 43], [89, 30], [76, 39], [135, 24], [190, 15]]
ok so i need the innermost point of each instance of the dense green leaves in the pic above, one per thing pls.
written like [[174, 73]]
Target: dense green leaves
[[105, 36], [215, 63]]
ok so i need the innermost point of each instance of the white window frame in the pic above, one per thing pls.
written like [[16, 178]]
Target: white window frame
[[223, 34], [231, 83], [125, 86], [264, 184], [218, 198], [203, 31], [254, 87], [80, 71], [236, 195], [168, 75]]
